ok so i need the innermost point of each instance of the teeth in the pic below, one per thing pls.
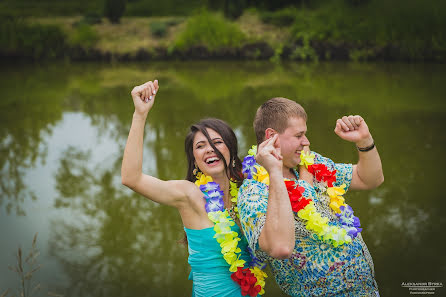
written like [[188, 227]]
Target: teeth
[[212, 159]]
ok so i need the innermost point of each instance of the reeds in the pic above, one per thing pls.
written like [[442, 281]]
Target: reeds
[[25, 268]]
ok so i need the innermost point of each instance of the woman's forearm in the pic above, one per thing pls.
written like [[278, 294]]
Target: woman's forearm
[[131, 168]]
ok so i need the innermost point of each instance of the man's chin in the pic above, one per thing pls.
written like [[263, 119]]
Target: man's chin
[[292, 164]]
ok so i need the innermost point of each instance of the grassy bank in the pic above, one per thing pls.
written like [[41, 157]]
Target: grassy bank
[[333, 30]]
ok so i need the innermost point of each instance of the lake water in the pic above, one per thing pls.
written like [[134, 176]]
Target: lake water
[[63, 129]]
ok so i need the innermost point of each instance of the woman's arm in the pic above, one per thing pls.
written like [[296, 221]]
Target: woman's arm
[[173, 193]]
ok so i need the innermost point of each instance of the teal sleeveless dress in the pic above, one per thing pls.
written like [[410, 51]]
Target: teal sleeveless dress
[[210, 272]]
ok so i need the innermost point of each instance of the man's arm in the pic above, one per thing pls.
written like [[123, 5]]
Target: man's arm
[[368, 173], [277, 235]]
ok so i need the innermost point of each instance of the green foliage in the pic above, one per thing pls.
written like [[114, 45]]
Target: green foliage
[[84, 36], [92, 18], [232, 9], [114, 10], [278, 51], [284, 17], [163, 8], [305, 51], [413, 27], [37, 41], [158, 29], [211, 31], [44, 8]]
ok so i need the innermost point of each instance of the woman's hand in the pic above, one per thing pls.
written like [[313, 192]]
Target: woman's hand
[[144, 96]]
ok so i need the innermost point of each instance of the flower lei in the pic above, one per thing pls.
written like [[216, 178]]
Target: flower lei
[[305, 208], [250, 279]]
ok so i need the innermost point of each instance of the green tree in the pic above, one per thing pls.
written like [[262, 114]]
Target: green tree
[[114, 10]]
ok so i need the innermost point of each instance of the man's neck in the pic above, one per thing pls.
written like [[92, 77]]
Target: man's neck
[[288, 173]]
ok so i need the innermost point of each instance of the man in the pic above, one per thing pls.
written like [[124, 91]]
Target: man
[[314, 249]]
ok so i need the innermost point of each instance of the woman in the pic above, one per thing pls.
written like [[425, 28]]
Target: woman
[[211, 148]]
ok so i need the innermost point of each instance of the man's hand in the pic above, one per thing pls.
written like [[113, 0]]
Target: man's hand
[[268, 154], [354, 129]]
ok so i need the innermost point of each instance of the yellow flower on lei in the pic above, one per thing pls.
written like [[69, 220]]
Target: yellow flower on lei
[[336, 199], [230, 246], [253, 150], [306, 158], [338, 235], [260, 275], [236, 263], [261, 175], [316, 222], [202, 179]]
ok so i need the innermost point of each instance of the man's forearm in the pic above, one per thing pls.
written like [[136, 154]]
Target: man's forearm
[[277, 237], [369, 167]]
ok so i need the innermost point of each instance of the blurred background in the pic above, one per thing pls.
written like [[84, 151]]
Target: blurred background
[[67, 68]]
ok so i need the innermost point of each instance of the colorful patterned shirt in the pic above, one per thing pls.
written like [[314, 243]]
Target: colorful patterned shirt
[[315, 268]]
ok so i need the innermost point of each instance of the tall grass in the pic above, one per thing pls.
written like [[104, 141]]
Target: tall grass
[[413, 26], [84, 36], [210, 30], [18, 38]]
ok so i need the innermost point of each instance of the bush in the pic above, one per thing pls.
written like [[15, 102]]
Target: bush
[[158, 29], [92, 18], [211, 31], [413, 28], [232, 9], [21, 39], [284, 17], [84, 36], [114, 10]]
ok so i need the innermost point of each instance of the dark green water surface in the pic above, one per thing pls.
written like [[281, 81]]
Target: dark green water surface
[[63, 128]]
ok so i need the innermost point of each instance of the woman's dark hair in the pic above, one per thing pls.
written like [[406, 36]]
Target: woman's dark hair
[[227, 134], [234, 173]]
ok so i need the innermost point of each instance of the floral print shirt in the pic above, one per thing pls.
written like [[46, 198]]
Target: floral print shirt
[[315, 268]]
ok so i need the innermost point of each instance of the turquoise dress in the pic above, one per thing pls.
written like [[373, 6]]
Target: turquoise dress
[[210, 272]]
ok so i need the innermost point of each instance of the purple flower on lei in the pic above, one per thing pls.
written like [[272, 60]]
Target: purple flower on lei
[[214, 198], [248, 166], [210, 186], [347, 219], [214, 201]]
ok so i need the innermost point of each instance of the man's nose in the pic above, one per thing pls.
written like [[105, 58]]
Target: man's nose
[[305, 141]]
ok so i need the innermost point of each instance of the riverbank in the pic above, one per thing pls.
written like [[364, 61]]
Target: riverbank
[[253, 36]]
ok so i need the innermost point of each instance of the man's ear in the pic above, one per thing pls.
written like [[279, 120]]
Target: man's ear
[[269, 132]]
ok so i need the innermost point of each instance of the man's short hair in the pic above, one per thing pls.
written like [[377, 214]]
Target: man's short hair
[[274, 114]]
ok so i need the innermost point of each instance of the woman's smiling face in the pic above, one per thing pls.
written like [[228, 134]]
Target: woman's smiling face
[[206, 159]]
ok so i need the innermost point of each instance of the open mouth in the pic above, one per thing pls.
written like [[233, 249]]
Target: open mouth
[[212, 160]]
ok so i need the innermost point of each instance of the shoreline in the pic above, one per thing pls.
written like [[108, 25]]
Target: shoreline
[[316, 51]]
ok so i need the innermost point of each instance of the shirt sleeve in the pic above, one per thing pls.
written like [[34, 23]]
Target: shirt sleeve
[[252, 203], [344, 172]]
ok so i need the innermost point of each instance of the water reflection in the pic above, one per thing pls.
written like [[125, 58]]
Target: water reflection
[[27, 113], [116, 244], [109, 241]]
